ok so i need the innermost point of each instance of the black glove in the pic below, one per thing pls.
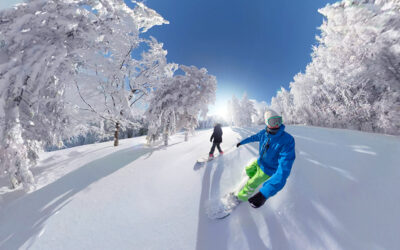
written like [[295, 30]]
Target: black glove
[[257, 200], [237, 145]]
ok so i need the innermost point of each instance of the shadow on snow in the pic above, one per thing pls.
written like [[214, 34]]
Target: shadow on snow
[[23, 220]]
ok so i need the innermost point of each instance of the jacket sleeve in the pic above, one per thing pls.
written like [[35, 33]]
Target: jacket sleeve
[[278, 180], [253, 138], [212, 136]]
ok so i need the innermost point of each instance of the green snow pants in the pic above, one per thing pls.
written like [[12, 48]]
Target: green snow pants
[[256, 178]]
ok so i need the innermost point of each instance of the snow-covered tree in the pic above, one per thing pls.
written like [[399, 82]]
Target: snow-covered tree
[[113, 90], [179, 102], [211, 121], [242, 111], [247, 111], [353, 80], [45, 44], [283, 104], [260, 107], [197, 91], [234, 111]]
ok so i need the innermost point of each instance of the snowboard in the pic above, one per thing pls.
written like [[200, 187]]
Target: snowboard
[[223, 207], [207, 159]]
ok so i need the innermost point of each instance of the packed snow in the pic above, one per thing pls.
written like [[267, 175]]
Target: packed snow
[[343, 193]]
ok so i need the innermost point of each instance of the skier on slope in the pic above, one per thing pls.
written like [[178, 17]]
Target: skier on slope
[[276, 157], [217, 136]]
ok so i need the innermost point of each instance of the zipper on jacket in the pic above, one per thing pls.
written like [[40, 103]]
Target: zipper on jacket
[[266, 146]]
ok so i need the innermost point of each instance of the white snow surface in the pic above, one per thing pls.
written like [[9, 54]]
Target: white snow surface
[[343, 193]]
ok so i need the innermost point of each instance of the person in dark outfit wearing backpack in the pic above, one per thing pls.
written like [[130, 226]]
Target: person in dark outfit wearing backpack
[[217, 136]]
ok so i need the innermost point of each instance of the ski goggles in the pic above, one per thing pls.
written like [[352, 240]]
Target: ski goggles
[[274, 121]]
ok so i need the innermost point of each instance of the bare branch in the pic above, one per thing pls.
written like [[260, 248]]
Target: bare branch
[[90, 106], [144, 93]]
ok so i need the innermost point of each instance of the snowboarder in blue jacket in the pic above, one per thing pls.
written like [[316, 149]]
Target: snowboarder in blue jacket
[[276, 157]]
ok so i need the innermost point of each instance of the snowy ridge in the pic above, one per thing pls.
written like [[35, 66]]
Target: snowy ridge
[[341, 195]]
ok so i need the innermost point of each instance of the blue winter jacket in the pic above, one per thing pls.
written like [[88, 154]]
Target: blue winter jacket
[[275, 160]]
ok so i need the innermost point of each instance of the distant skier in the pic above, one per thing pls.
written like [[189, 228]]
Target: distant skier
[[276, 157], [217, 136]]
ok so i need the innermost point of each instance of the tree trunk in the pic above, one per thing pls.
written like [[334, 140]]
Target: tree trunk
[[165, 138], [116, 134], [13, 181], [14, 151], [130, 133], [187, 135]]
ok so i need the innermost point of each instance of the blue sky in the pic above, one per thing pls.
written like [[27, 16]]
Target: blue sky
[[8, 3], [254, 46], [250, 46]]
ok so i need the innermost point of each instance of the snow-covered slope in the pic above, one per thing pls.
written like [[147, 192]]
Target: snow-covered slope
[[343, 193]]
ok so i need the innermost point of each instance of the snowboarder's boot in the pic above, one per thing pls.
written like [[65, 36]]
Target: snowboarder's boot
[[211, 156], [221, 153], [235, 199]]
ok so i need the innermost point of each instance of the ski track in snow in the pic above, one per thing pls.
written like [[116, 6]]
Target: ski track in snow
[[343, 193]]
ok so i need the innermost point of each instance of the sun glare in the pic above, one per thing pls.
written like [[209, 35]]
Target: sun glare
[[222, 111]]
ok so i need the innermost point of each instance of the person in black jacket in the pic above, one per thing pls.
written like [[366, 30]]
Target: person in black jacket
[[217, 136]]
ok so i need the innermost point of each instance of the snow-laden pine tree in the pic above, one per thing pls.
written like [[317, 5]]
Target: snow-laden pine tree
[[247, 111], [283, 104], [45, 44], [241, 111], [179, 102], [353, 80], [234, 111], [260, 107]]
